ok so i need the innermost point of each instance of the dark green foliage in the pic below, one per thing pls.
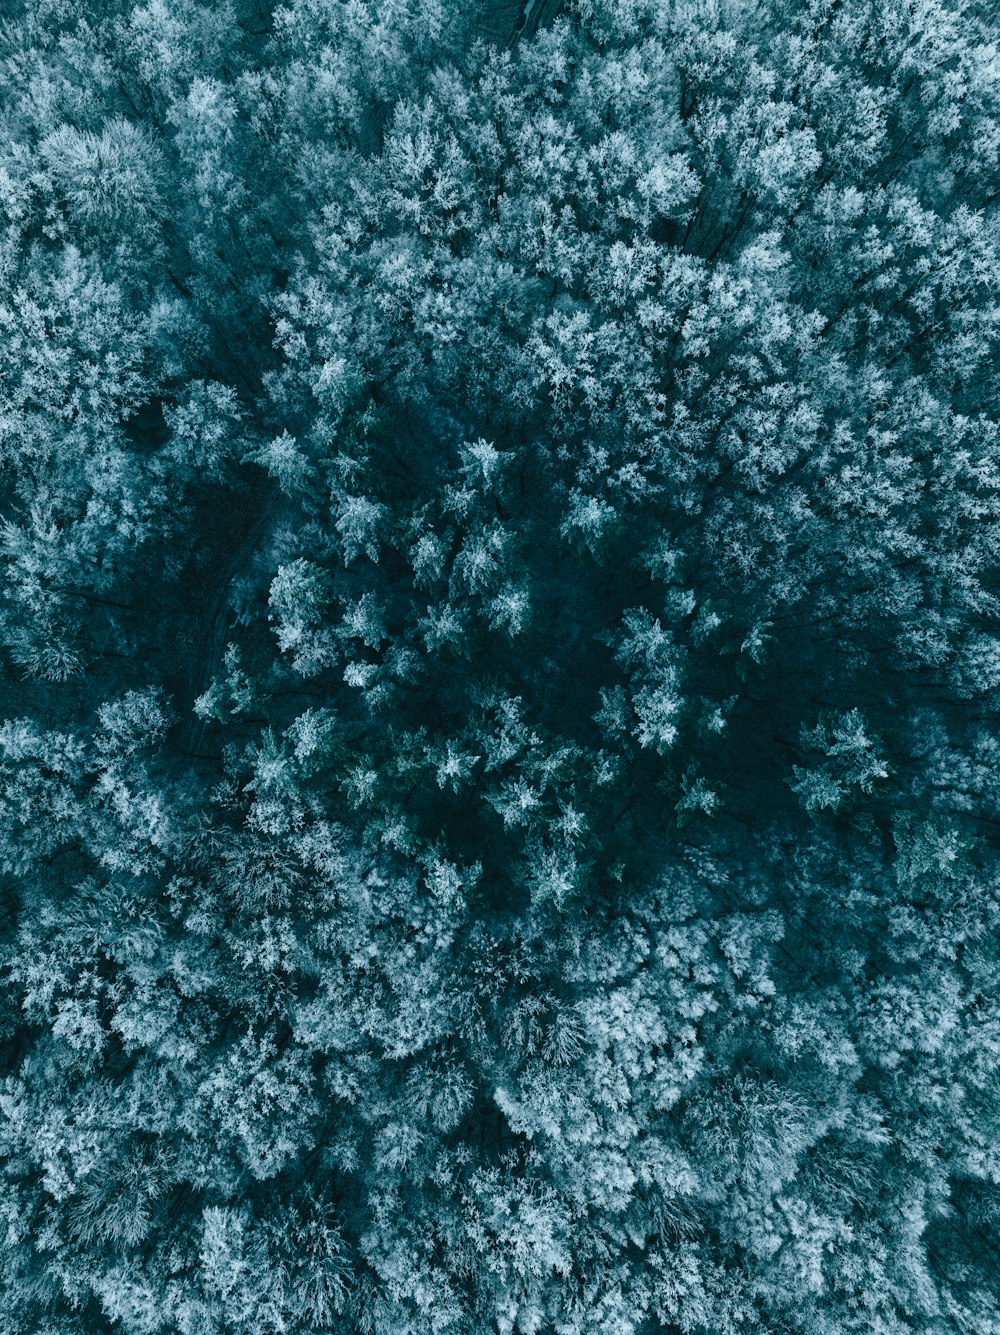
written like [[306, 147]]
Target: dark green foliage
[[498, 801]]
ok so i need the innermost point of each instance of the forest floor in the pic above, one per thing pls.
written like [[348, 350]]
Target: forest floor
[[496, 19]]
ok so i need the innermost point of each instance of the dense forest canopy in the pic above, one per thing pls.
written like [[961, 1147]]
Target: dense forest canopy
[[500, 620]]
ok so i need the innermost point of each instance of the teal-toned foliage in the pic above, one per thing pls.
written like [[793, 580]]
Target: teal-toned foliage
[[500, 667]]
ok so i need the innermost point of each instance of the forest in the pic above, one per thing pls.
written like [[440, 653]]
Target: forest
[[499, 667]]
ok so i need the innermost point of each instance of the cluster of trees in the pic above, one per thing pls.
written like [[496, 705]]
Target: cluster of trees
[[501, 653]]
